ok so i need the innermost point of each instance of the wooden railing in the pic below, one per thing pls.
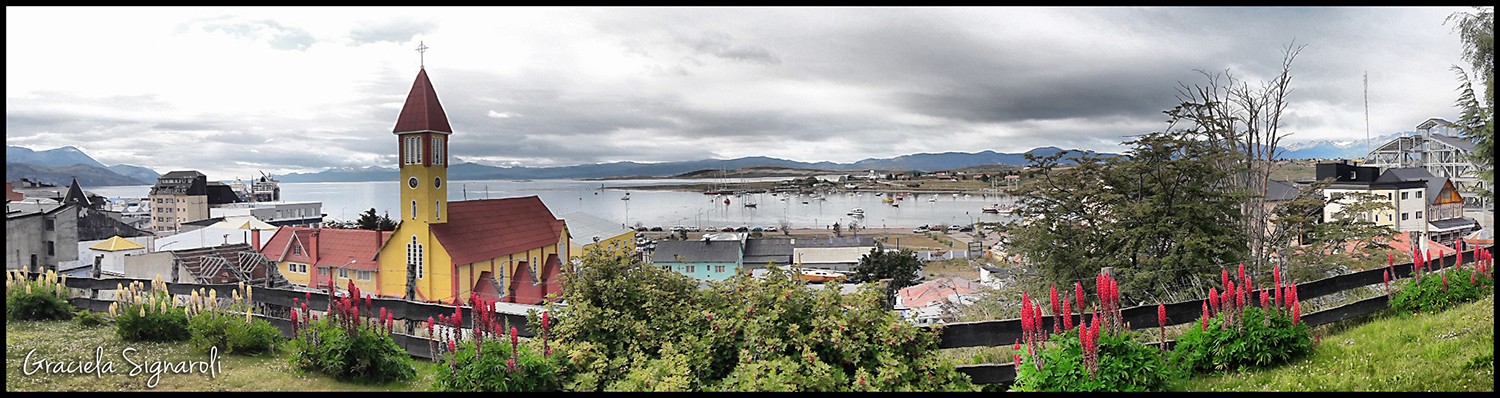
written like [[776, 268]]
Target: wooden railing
[[1007, 331], [274, 302]]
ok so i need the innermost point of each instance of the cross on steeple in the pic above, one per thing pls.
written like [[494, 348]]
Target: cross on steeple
[[422, 51]]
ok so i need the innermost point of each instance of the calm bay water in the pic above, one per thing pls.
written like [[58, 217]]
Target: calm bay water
[[346, 200]]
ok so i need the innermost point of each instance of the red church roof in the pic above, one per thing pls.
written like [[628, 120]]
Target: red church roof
[[422, 111], [479, 230], [334, 247]]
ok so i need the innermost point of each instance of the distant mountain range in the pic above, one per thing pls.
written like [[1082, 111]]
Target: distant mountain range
[[1328, 149], [473, 171], [59, 166]]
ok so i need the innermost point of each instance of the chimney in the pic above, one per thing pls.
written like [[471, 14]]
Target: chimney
[[378, 240], [312, 250], [255, 239]]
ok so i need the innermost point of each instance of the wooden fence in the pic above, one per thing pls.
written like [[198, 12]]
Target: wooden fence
[[275, 302], [1008, 331]]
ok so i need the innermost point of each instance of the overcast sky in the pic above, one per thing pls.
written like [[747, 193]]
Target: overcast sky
[[232, 90]]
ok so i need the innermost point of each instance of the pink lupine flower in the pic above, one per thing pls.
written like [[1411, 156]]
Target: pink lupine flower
[[1265, 299]]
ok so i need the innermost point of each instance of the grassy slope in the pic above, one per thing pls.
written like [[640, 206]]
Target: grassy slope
[[66, 341], [1449, 351]]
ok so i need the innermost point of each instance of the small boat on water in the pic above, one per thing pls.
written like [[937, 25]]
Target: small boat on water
[[931, 199], [887, 199], [821, 276], [749, 204], [994, 208], [857, 212]]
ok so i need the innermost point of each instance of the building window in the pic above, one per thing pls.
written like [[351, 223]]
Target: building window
[[414, 256], [413, 210], [719, 269], [296, 249], [437, 209], [1419, 194], [344, 273], [437, 150], [413, 150], [692, 269], [1403, 195], [50, 248], [365, 275], [1404, 216], [1419, 215], [49, 224]]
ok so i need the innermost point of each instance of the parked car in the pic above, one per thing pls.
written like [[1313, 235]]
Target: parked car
[[655, 229]]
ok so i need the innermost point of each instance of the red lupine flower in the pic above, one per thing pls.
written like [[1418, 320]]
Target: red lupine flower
[[1445, 281], [514, 338], [1161, 314], [1224, 278], [1067, 315], [1228, 298], [1213, 298], [1078, 292], [1265, 299], [452, 346], [1242, 271], [544, 320], [1390, 259], [1296, 313], [1056, 308], [1472, 274]]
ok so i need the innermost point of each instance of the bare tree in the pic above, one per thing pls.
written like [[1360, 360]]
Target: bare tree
[[1247, 120]]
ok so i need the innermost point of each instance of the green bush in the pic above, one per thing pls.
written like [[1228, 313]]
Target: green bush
[[44, 298], [635, 327], [1124, 365], [147, 322], [88, 318], [488, 370], [231, 333], [37, 305], [357, 353], [1430, 295], [1263, 339]]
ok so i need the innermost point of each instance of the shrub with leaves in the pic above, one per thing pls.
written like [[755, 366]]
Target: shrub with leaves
[[231, 327], [1123, 365], [88, 318], [635, 327], [500, 366], [148, 314], [1265, 338], [1438, 291], [1099, 355], [350, 347], [44, 298]]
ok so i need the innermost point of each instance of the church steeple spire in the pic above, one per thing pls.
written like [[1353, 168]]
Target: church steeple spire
[[422, 133]]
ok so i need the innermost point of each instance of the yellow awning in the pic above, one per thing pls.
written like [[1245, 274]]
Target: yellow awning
[[116, 243]]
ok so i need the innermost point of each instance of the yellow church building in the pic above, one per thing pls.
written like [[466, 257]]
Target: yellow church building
[[509, 249]]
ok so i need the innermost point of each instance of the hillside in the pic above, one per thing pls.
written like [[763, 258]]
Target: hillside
[[58, 166]]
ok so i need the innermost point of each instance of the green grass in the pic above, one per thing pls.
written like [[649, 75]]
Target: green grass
[[67, 341], [1448, 351]]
